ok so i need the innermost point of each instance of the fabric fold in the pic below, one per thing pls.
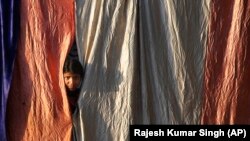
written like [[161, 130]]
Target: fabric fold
[[37, 103], [143, 64], [227, 68]]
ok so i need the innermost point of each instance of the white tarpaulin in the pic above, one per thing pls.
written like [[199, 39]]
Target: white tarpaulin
[[143, 64]]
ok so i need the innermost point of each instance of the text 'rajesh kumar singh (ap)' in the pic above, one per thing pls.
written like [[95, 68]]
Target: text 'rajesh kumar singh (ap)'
[[176, 133]]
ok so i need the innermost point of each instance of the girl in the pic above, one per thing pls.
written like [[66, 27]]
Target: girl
[[73, 75]]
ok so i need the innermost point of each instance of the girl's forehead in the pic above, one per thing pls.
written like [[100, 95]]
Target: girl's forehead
[[70, 74]]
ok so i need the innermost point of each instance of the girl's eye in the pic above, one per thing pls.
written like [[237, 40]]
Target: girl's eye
[[67, 77]]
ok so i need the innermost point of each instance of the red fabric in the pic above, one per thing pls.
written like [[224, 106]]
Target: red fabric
[[227, 67], [37, 104]]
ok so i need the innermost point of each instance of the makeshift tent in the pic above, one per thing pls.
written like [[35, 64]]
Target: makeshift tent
[[146, 62]]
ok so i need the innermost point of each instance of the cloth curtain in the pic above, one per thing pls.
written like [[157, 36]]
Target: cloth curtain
[[143, 64], [227, 69], [9, 19], [107, 41], [37, 103]]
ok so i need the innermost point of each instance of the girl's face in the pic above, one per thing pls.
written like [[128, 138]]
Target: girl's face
[[72, 80]]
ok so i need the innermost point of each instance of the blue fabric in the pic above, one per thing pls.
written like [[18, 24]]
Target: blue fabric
[[9, 19]]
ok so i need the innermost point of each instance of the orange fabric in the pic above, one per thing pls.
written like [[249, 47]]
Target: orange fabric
[[37, 104], [227, 69]]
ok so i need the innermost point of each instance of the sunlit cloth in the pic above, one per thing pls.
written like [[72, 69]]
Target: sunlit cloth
[[227, 70], [37, 103], [144, 64]]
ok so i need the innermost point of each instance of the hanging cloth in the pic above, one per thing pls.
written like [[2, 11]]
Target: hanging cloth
[[227, 69], [143, 64], [37, 104]]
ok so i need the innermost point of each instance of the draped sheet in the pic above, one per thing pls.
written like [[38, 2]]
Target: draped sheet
[[143, 64], [107, 42], [9, 20], [172, 45], [227, 69], [37, 103]]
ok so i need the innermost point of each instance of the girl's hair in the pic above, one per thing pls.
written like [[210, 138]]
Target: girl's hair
[[73, 66]]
